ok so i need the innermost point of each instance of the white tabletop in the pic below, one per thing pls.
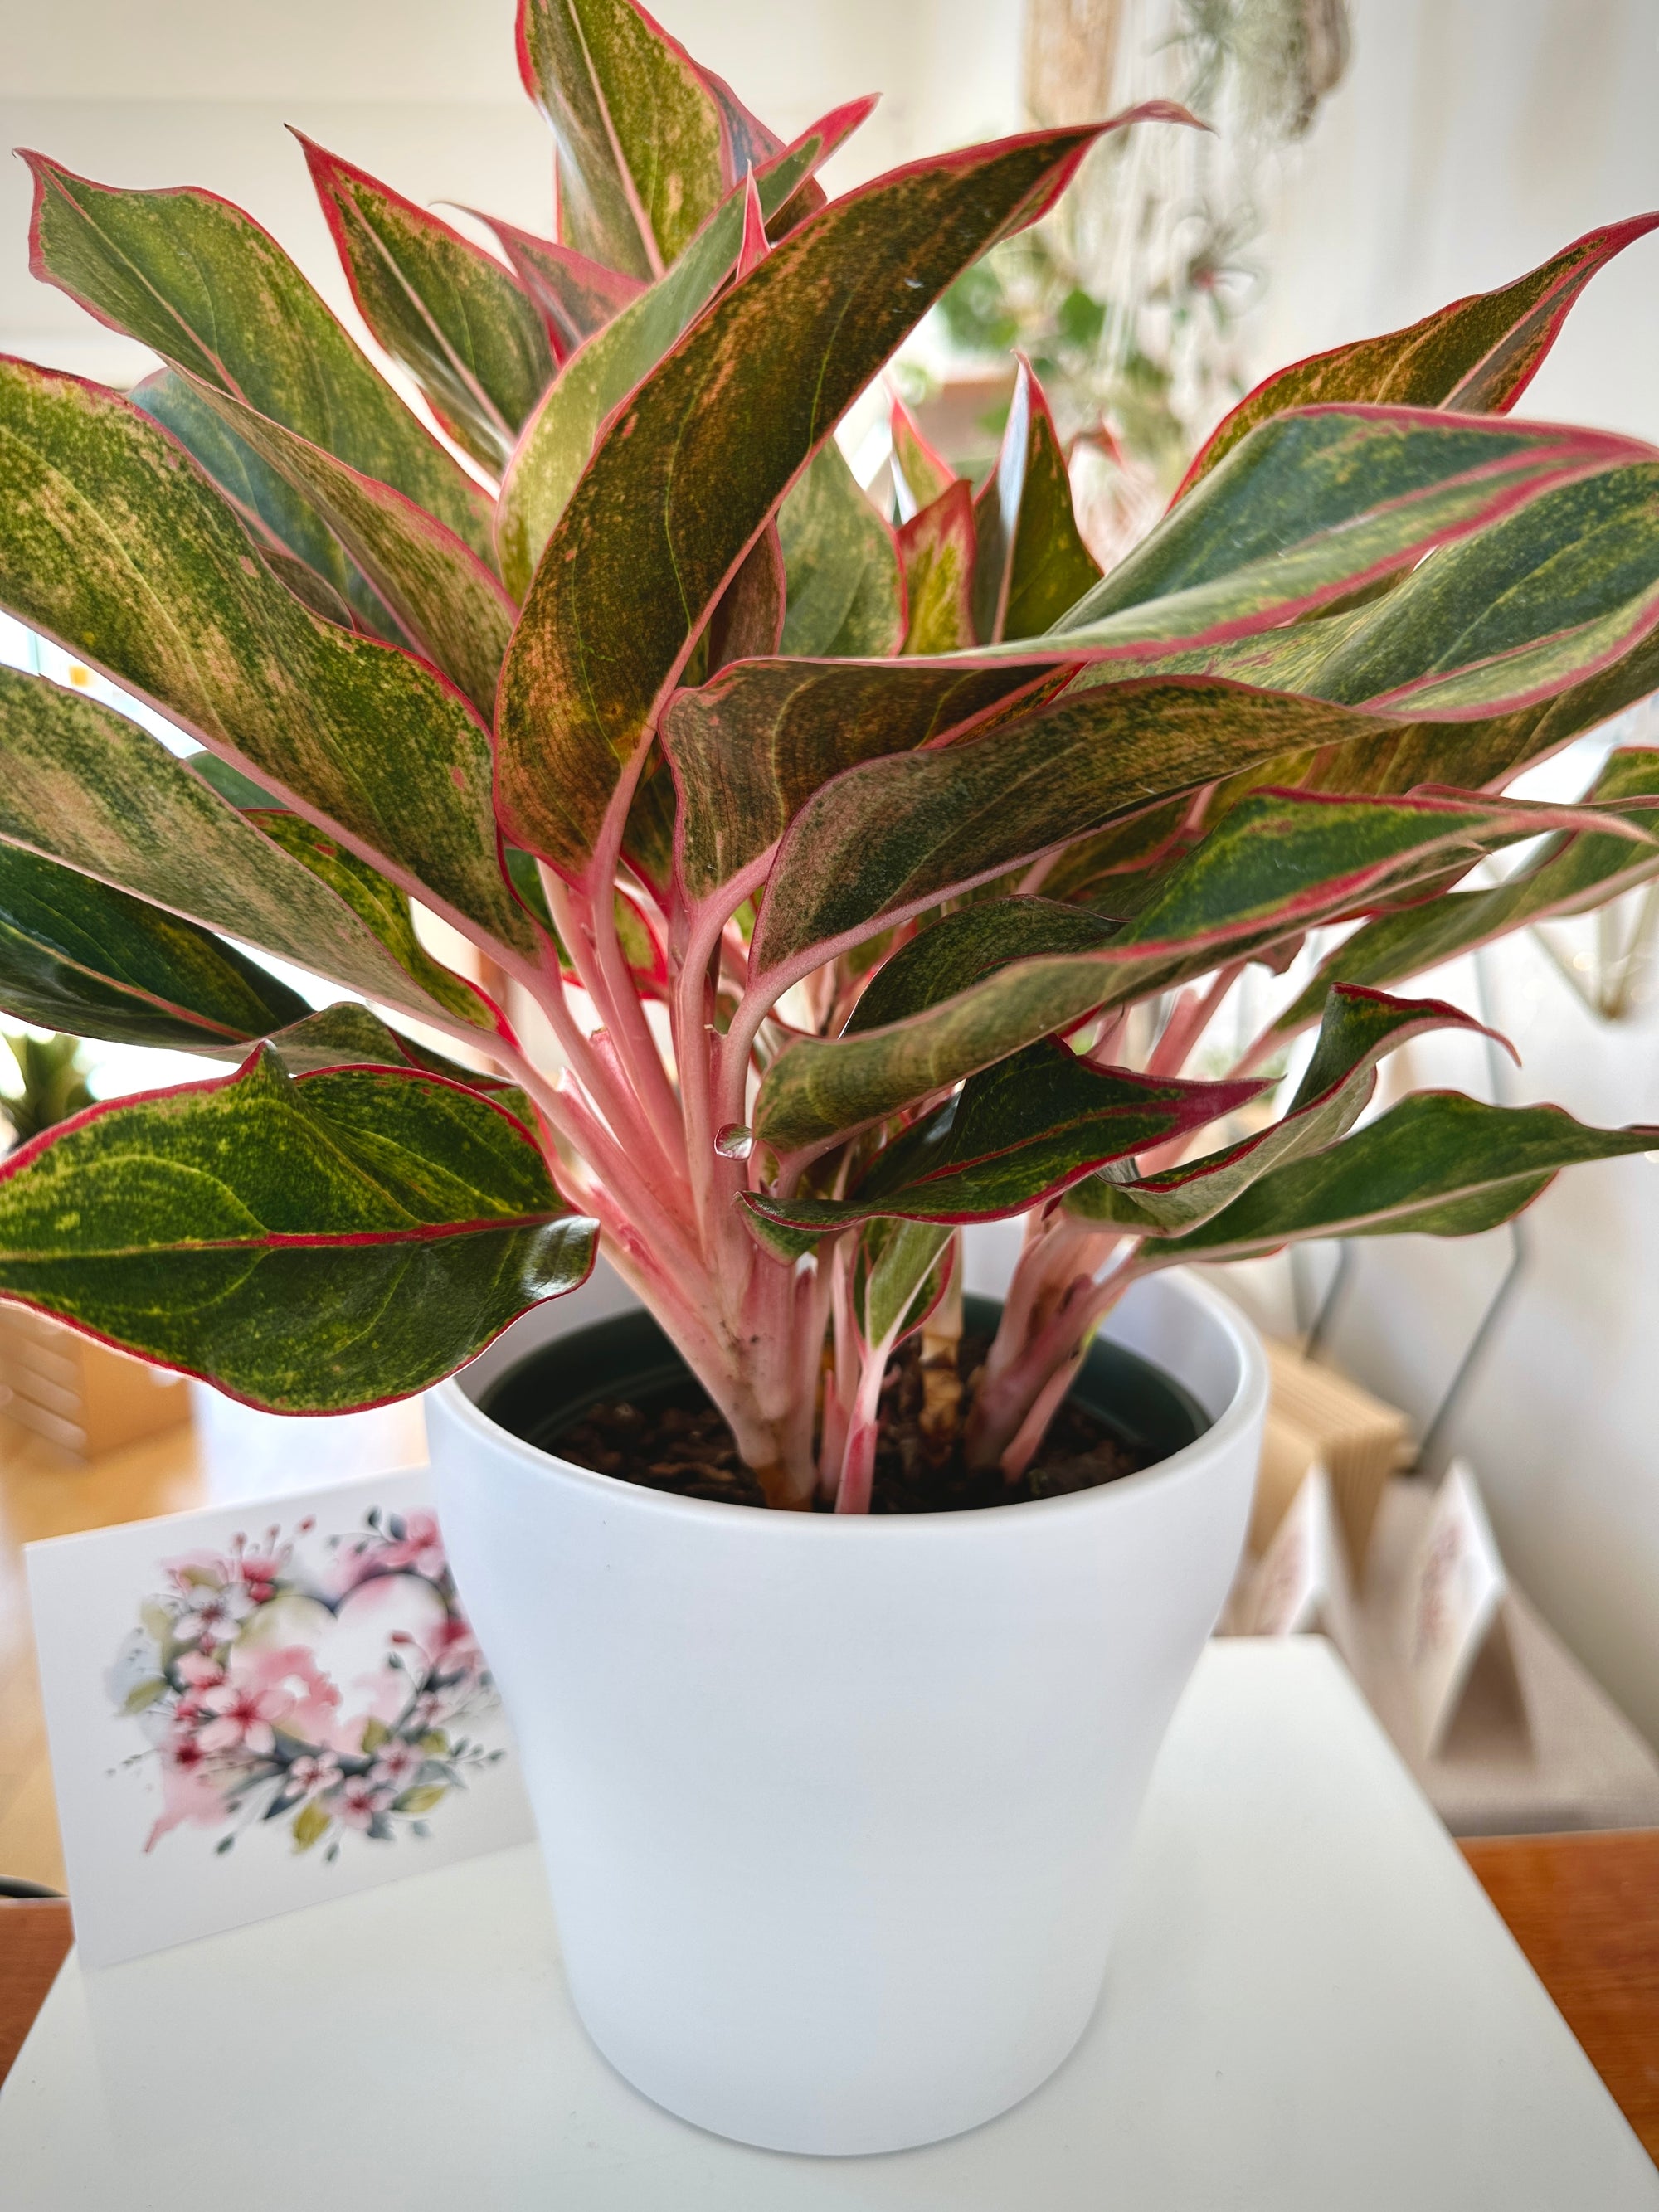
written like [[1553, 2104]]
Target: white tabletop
[[1311, 2005]]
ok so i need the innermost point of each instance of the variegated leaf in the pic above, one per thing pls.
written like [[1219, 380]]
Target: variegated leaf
[[1281, 863], [447, 603], [79, 956], [559, 437], [113, 542], [463, 328], [574, 296], [1437, 1165], [1015, 1135], [1359, 1029], [639, 134], [1032, 566], [187, 273], [936, 551], [81, 785], [1576, 871], [694, 467], [845, 586], [920, 475], [749, 749], [894, 836], [1315, 504], [309, 1244], [1478, 356]]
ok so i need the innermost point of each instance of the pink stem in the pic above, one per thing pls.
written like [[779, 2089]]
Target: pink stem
[[638, 1046], [611, 1164], [1193, 1014], [842, 1384], [546, 987], [858, 1465], [1032, 1430]]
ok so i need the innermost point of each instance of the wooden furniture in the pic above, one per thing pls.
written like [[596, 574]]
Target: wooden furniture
[[35, 1935], [1585, 1910], [1310, 2004], [80, 1395]]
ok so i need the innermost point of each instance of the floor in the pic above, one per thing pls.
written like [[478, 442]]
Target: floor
[[44, 1493]]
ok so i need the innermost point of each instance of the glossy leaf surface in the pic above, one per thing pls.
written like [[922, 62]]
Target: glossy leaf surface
[[1032, 565], [750, 748], [84, 787], [1017, 1133], [894, 835], [1357, 1029], [575, 296], [965, 946], [1478, 356], [1574, 872], [111, 542], [921, 475], [79, 956], [1280, 864], [447, 603], [296, 537], [347, 1034], [559, 437], [463, 328], [1437, 1165], [383, 911], [639, 132], [898, 1279], [309, 1244], [936, 552], [1314, 505]]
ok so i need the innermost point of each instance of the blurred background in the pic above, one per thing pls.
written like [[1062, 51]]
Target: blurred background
[[1372, 160]]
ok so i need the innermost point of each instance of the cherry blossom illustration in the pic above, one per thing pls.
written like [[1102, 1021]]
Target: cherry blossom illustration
[[329, 1685]]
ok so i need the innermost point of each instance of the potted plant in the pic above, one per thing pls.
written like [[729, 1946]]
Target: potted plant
[[870, 885]]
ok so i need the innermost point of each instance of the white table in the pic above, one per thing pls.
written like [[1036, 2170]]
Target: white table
[[1312, 2005]]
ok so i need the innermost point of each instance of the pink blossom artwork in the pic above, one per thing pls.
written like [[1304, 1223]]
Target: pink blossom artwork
[[251, 1710], [327, 1684]]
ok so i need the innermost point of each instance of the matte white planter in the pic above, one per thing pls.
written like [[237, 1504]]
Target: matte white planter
[[834, 1810]]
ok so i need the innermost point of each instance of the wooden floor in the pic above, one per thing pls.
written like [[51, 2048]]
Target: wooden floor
[[44, 1493]]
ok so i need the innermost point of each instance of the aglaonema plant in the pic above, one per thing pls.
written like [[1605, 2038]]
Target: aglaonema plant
[[869, 881]]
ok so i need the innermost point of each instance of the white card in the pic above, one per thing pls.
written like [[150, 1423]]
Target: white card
[[1454, 1596], [260, 1706], [1301, 1587]]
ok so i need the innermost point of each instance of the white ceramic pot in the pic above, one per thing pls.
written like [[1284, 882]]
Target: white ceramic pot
[[835, 1811]]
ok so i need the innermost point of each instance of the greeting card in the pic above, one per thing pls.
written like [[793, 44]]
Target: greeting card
[[253, 1709]]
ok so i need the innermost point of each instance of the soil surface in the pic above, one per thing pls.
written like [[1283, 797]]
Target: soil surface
[[677, 1442]]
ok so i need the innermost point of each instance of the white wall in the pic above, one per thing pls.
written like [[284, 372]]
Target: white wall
[[425, 94], [1473, 139]]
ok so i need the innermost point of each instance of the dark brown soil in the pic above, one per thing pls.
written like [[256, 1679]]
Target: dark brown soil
[[686, 1446]]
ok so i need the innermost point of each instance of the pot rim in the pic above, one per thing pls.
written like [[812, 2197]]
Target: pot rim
[[1243, 1408]]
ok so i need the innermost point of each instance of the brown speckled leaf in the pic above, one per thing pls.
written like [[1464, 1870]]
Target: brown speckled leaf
[[1477, 357], [693, 468], [113, 542]]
